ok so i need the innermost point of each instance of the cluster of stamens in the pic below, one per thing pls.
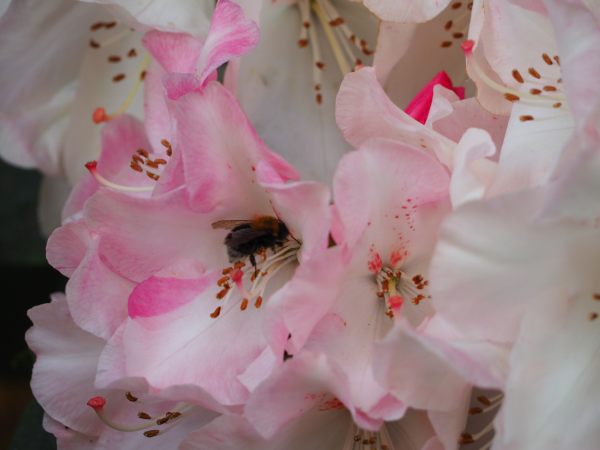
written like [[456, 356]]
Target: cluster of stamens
[[236, 276], [360, 439], [116, 34], [151, 425], [393, 286], [345, 45], [484, 405], [537, 87], [141, 161], [456, 28]]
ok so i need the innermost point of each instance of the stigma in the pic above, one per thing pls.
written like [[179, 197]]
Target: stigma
[[348, 49]]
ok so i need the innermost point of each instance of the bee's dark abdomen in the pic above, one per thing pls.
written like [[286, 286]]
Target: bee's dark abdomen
[[244, 241]]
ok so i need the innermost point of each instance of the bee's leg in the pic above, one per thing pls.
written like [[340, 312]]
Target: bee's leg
[[253, 262]]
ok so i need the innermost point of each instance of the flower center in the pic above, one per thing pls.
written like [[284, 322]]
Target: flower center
[[151, 425], [250, 275], [346, 46], [394, 284], [539, 86]]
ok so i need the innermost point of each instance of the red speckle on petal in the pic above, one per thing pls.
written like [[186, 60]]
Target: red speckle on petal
[[467, 46], [375, 264], [96, 403], [396, 257]]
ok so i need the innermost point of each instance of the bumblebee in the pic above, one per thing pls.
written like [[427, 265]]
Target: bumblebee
[[249, 237]]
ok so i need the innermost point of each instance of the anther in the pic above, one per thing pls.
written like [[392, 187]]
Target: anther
[[244, 304], [151, 433], [144, 415], [448, 25], [114, 59], [511, 97], [118, 77], [593, 316], [446, 44], [547, 59], [109, 25], [132, 398], [535, 91], [216, 312], [549, 88], [526, 118], [557, 105], [166, 144], [132, 53], [94, 44], [534, 73], [152, 176], [517, 76], [96, 26], [258, 302]]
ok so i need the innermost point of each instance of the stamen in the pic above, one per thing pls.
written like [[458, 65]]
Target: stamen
[[531, 97], [335, 48], [92, 166], [305, 18], [98, 403]]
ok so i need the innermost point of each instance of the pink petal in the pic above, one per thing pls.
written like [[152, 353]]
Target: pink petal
[[231, 34], [175, 52], [363, 112], [405, 177], [220, 151]]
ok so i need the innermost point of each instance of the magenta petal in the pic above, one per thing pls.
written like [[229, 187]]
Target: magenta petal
[[419, 107], [157, 296]]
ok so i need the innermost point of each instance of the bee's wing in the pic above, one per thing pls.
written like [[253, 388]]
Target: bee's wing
[[228, 224]]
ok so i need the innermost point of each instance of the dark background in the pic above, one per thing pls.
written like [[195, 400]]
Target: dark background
[[26, 280]]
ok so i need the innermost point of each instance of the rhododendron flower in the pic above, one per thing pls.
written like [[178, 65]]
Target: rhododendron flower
[[189, 303], [302, 406], [63, 383], [540, 247], [528, 83], [288, 85], [364, 112]]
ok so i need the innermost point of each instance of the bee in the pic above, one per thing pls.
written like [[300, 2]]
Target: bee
[[248, 237]]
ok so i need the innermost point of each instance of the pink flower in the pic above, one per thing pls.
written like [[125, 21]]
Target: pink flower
[[364, 112], [527, 284], [83, 415], [190, 304], [288, 85], [546, 95], [303, 406]]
